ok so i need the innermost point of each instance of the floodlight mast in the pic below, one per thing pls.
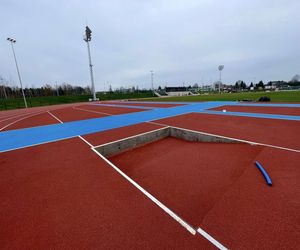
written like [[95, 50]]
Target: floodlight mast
[[12, 41], [220, 68], [152, 72], [87, 38]]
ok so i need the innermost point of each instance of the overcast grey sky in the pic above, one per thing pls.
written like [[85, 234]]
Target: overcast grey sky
[[182, 41]]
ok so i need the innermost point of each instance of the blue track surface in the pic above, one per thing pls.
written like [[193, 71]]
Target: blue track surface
[[287, 105], [14, 139], [255, 115]]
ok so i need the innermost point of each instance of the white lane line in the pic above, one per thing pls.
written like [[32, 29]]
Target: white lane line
[[23, 118], [150, 196], [15, 116], [129, 137], [40, 109], [54, 116], [234, 139], [146, 193], [86, 141], [92, 111], [211, 239], [12, 117]]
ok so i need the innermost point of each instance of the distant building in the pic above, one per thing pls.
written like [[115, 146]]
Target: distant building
[[216, 85], [207, 88], [177, 91]]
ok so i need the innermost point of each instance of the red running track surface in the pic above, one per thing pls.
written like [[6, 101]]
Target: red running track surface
[[30, 121], [72, 114], [119, 133], [23, 111], [11, 115], [110, 110], [65, 196], [154, 105], [218, 188], [269, 131], [261, 110], [7, 120], [188, 177], [252, 215]]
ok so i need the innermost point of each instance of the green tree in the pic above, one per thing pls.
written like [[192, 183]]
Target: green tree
[[260, 85], [243, 85]]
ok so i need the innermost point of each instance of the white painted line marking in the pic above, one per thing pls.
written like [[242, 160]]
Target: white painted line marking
[[150, 196], [92, 111], [23, 118], [211, 239], [15, 116], [86, 141], [25, 113], [156, 201], [234, 139], [54, 116], [130, 137]]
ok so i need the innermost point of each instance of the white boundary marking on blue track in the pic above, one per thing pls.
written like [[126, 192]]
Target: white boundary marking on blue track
[[252, 115], [54, 116]]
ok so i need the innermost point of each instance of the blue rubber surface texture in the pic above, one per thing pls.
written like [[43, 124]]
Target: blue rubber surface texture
[[14, 139], [264, 173], [255, 115], [148, 102], [287, 105]]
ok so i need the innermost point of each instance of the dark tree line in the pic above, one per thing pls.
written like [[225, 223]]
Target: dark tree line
[[46, 90]]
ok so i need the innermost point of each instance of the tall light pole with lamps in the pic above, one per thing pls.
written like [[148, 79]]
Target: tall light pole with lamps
[[88, 37], [12, 42], [220, 68], [152, 72]]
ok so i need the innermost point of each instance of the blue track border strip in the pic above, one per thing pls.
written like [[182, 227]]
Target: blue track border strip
[[14, 139], [254, 115]]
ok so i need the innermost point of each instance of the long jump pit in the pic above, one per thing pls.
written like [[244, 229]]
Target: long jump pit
[[184, 172]]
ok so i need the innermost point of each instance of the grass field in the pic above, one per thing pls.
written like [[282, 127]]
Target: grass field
[[15, 103], [280, 96]]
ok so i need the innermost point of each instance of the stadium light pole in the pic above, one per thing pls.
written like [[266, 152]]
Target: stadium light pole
[[220, 68], [152, 72], [12, 42], [87, 37]]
